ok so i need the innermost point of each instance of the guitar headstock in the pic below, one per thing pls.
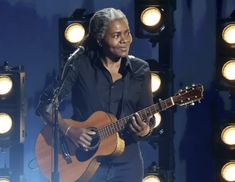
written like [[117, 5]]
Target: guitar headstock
[[189, 95]]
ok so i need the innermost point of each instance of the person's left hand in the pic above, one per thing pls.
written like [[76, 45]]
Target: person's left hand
[[138, 126]]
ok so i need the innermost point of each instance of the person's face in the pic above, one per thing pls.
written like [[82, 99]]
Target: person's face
[[117, 39]]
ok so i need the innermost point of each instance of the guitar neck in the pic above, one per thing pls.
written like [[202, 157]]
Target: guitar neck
[[144, 115]]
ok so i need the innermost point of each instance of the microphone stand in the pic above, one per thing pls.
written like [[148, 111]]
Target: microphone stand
[[55, 176]]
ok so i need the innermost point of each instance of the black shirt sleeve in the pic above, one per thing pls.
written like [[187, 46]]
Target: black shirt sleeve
[[45, 102]]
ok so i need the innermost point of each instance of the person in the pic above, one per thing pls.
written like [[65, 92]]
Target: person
[[106, 78]]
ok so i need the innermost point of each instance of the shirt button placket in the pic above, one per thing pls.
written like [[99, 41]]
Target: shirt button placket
[[111, 97]]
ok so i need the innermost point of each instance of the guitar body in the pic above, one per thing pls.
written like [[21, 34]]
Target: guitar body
[[84, 164]]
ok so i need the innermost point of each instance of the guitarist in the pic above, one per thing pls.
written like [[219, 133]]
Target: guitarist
[[106, 78]]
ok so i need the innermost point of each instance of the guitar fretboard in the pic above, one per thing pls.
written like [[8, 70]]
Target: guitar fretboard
[[144, 115]]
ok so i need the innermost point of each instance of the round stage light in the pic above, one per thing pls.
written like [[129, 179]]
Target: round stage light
[[156, 82], [228, 171], [228, 34], [158, 119], [5, 123], [150, 16], [228, 135], [151, 178], [4, 179], [228, 70], [74, 33], [5, 84]]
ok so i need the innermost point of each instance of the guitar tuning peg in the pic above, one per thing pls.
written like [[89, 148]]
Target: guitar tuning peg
[[199, 101], [192, 104], [186, 87], [193, 85]]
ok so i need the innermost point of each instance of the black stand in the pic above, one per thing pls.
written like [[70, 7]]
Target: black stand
[[55, 176], [55, 172]]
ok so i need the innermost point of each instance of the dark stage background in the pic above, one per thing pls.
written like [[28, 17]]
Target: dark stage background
[[29, 37]]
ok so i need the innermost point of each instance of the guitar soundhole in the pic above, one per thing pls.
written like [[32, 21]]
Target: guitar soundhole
[[82, 154]]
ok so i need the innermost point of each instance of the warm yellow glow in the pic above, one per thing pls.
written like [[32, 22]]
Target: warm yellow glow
[[150, 16], [228, 70], [74, 33], [228, 34], [228, 135], [5, 123], [156, 82], [5, 85], [228, 171], [158, 119], [151, 178], [4, 180]]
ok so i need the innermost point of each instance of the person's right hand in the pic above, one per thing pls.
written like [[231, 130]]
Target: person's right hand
[[81, 137]]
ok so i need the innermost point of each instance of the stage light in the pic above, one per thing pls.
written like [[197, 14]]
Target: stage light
[[226, 29], [228, 33], [151, 178], [158, 119], [228, 171], [5, 123], [224, 136], [74, 33], [12, 85], [228, 70], [14, 126], [155, 82], [160, 85], [4, 180], [151, 16], [149, 19], [161, 78], [5, 84], [153, 19], [228, 135]]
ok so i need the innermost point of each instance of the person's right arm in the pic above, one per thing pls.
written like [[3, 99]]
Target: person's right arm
[[79, 136]]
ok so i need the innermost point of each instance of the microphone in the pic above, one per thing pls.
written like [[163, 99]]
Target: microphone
[[80, 50]]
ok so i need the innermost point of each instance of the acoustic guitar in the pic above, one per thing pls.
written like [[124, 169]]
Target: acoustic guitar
[[78, 165]]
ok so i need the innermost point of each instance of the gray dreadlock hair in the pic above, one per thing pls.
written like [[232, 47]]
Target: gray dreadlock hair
[[101, 19]]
